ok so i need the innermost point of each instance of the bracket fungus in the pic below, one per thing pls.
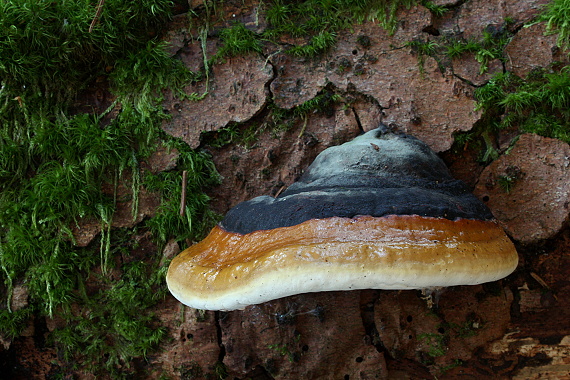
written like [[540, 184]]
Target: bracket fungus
[[379, 212]]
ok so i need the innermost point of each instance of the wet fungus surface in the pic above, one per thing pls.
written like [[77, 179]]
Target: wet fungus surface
[[381, 211]]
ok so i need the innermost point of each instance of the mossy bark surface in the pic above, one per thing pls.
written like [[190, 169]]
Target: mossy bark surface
[[97, 128]]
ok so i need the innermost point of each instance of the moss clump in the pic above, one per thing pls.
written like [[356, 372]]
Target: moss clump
[[436, 10], [321, 20], [237, 40], [47, 46], [557, 16], [315, 22], [435, 344], [489, 47], [422, 49], [114, 324], [539, 103], [196, 218], [313, 16], [59, 167], [245, 135], [13, 321]]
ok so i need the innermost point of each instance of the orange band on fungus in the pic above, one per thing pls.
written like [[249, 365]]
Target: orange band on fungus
[[393, 252]]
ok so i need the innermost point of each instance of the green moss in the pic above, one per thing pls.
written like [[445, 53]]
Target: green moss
[[422, 49], [315, 22], [55, 163], [537, 104], [320, 20], [220, 370], [489, 47], [456, 363], [245, 135], [13, 322], [47, 45], [284, 350], [436, 10], [323, 102], [383, 11], [115, 324], [223, 136], [237, 40], [196, 217], [435, 344], [276, 121], [281, 120], [318, 44], [508, 180], [468, 329], [456, 48], [556, 16], [139, 77]]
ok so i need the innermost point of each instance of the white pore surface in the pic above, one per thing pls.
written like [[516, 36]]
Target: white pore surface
[[317, 278]]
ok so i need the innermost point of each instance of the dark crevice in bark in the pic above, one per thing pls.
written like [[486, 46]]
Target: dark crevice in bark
[[218, 316], [368, 299], [357, 120]]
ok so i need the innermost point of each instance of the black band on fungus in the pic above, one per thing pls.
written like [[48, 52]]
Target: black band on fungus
[[379, 173]]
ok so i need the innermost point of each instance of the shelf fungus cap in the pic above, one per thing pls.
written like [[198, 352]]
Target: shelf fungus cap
[[379, 212]]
